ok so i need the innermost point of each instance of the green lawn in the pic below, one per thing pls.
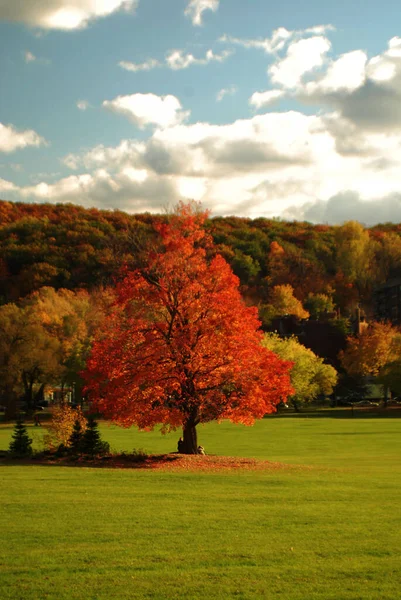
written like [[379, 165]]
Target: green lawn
[[328, 526]]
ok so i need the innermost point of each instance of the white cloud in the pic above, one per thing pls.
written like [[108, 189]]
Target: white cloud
[[196, 8], [60, 14], [29, 57], [131, 190], [148, 109], [148, 65], [270, 45], [279, 38], [262, 99], [229, 91], [177, 59], [365, 93], [7, 186], [126, 154], [11, 139], [83, 104], [279, 163], [341, 162], [302, 57], [346, 73], [348, 206]]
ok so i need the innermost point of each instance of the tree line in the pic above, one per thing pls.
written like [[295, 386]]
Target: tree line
[[67, 246], [169, 334]]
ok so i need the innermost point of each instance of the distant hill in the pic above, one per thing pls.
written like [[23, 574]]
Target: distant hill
[[64, 245]]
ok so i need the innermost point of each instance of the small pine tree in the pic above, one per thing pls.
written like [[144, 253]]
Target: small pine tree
[[92, 444], [21, 443], [75, 439]]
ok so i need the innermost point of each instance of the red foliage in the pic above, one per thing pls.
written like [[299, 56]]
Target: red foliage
[[180, 346]]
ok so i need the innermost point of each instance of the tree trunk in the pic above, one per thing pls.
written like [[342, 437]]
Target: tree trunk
[[295, 405], [28, 381], [190, 438], [39, 396], [9, 399]]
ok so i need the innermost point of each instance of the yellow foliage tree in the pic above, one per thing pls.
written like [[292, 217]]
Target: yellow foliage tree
[[282, 302], [370, 351], [61, 426], [310, 375]]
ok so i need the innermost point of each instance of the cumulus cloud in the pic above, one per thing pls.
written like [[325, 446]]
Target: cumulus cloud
[[341, 163], [361, 95], [348, 206], [131, 190], [374, 101], [220, 165], [126, 154], [178, 59], [279, 163], [61, 14], [148, 109], [11, 139], [229, 91], [147, 65], [263, 99], [346, 73], [7, 186], [196, 8], [302, 57], [364, 93]]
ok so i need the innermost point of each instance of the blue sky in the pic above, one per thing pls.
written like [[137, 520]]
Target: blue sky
[[254, 108]]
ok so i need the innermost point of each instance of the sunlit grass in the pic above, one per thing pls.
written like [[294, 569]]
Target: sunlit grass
[[327, 531]]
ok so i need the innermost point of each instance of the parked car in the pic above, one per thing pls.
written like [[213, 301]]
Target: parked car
[[366, 403]]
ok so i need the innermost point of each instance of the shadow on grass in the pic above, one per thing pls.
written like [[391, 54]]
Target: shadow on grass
[[340, 413], [119, 461], [163, 462]]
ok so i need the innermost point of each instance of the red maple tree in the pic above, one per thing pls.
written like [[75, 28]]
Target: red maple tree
[[180, 346]]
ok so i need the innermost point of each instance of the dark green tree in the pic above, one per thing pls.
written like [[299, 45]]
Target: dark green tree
[[92, 443], [75, 439], [21, 443]]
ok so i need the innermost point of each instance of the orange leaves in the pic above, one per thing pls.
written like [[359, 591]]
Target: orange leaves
[[181, 343], [368, 353]]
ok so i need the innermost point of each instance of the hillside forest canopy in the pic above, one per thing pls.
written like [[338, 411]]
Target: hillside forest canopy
[[63, 267]]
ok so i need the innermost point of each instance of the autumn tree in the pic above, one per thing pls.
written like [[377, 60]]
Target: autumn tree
[[388, 255], [61, 426], [282, 303], [375, 352], [310, 375], [319, 305], [355, 257], [28, 357], [180, 347], [45, 339], [370, 351]]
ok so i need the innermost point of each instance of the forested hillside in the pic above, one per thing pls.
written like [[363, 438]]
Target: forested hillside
[[59, 265], [67, 246]]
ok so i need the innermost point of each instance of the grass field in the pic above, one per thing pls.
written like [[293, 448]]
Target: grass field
[[326, 525]]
